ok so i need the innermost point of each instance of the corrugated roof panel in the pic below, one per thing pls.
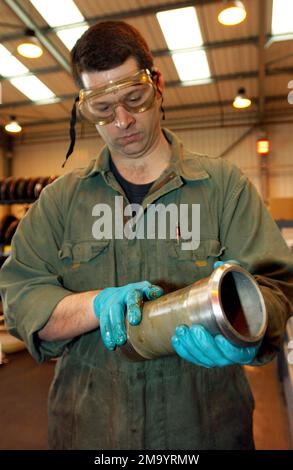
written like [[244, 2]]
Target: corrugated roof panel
[[233, 59], [187, 118], [278, 105], [31, 114], [91, 8], [279, 54], [278, 85], [7, 16], [51, 111], [228, 89], [190, 94], [10, 94], [60, 83]]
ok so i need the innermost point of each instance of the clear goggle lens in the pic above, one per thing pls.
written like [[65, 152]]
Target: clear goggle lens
[[137, 95]]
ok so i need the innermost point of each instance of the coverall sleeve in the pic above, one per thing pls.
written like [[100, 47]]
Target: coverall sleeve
[[30, 284], [251, 236]]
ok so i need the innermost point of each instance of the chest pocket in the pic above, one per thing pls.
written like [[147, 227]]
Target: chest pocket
[[188, 266], [86, 264]]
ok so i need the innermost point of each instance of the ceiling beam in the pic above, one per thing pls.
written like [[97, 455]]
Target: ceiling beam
[[38, 71], [24, 17], [247, 40], [169, 84], [182, 107], [207, 46]]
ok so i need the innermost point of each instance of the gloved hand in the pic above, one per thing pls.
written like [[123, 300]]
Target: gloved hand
[[110, 306], [197, 345], [217, 264]]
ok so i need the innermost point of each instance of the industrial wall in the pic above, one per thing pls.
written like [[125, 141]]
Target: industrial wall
[[42, 158]]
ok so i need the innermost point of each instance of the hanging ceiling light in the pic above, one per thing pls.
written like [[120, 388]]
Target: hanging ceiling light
[[233, 13], [30, 47], [241, 101], [13, 126]]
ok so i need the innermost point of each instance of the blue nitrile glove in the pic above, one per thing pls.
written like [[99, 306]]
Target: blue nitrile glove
[[217, 264], [195, 344], [111, 304]]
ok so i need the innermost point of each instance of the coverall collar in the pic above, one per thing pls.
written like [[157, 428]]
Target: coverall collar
[[183, 163]]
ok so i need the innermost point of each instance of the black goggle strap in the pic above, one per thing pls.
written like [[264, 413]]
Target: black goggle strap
[[72, 134], [155, 77]]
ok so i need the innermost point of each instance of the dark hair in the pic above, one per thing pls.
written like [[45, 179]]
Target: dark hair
[[107, 45]]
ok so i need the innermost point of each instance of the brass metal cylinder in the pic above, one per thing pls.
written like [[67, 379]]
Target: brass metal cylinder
[[229, 302]]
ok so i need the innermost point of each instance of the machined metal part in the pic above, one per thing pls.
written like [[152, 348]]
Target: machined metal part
[[229, 302]]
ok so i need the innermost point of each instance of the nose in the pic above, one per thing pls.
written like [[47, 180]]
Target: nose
[[123, 119]]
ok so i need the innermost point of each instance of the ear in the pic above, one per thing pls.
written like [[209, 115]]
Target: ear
[[160, 82]]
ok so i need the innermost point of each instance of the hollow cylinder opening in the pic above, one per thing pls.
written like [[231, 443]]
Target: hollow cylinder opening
[[241, 303]]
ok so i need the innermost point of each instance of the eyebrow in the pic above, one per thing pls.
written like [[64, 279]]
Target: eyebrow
[[123, 96]]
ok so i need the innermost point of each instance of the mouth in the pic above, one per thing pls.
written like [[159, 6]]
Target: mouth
[[134, 137]]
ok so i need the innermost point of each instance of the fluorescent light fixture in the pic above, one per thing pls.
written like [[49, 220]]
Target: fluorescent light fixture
[[233, 13], [181, 31], [180, 28], [60, 16], [282, 17], [32, 87], [9, 65], [191, 65]]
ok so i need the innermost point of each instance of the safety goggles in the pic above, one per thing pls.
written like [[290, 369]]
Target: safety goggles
[[135, 93]]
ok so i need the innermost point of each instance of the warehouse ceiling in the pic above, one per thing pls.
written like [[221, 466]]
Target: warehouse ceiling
[[244, 55]]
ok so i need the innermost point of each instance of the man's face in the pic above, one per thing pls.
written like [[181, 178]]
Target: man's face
[[130, 135]]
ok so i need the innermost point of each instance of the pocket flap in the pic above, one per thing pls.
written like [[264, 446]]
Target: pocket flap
[[207, 248], [82, 251]]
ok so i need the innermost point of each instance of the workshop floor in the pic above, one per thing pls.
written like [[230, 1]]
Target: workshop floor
[[23, 402]]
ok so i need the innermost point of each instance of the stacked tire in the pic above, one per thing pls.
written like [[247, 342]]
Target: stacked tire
[[22, 189]]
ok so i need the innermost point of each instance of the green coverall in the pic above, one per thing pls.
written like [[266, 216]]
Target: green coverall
[[99, 399]]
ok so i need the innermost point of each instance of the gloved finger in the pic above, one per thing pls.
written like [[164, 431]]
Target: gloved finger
[[234, 353], [183, 352], [140, 285], [217, 264], [117, 323], [183, 333], [134, 301], [205, 342], [106, 330], [153, 292]]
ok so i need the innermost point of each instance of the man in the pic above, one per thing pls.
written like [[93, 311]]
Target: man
[[66, 290]]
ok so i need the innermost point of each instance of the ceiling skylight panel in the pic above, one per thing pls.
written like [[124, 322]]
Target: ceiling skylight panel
[[181, 31], [32, 87], [56, 16], [191, 65], [180, 28], [9, 65], [58, 12], [282, 17]]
